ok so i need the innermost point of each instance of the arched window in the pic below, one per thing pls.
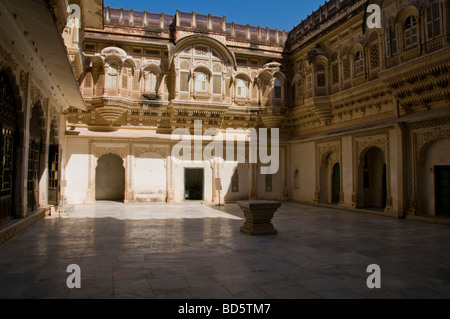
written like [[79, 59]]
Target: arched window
[[150, 82], [200, 83], [112, 76], [277, 89], [241, 89], [391, 40], [410, 32], [433, 20], [320, 76], [359, 63]]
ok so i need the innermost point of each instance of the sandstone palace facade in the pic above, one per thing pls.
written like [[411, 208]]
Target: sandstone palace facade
[[363, 113]]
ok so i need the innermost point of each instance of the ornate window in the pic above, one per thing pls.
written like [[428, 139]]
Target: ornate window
[[8, 120], [433, 20], [200, 83], [391, 41], [150, 80], [410, 32], [359, 63], [112, 76], [320, 76], [278, 89], [217, 83], [241, 89], [184, 81]]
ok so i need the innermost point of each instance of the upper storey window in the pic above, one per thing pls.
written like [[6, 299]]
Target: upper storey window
[[184, 81], [241, 89], [359, 63], [277, 89], [200, 83], [320, 76], [112, 77], [433, 19], [391, 40], [410, 32], [150, 82]]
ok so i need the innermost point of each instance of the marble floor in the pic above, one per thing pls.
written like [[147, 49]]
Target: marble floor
[[197, 251]]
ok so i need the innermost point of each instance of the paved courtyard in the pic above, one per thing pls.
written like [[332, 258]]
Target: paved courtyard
[[197, 251]]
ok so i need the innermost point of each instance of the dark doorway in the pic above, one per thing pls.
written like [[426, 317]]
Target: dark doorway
[[384, 187], [8, 127], [193, 183], [442, 178], [373, 187], [110, 178], [336, 184]]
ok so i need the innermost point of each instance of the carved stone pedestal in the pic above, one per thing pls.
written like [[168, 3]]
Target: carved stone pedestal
[[258, 214]]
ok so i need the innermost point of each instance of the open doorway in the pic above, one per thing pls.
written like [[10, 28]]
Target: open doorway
[[373, 179], [442, 198], [110, 178], [193, 183]]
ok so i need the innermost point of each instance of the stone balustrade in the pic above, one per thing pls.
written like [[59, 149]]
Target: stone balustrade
[[196, 22]]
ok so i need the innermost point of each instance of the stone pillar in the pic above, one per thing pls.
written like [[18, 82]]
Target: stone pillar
[[194, 20], [145, 19], [402, 176], [162, 21], [224, 24], [170, 183]]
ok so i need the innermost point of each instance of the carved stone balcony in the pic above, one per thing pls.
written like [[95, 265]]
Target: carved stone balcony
[[112, 113], [272, 117]]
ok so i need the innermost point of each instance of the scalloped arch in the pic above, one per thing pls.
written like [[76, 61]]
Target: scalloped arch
[[218, 46]]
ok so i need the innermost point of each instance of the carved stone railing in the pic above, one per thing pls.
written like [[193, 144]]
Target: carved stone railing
[[195, 22]]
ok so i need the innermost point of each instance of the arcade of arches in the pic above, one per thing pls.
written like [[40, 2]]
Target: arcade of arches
[[363, 115]]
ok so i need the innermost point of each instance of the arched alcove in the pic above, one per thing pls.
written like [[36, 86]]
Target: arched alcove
[[372, 181], [329, 179], [110, 178], [434, 179]]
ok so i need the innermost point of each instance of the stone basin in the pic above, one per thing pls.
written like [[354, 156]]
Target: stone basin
[[258, 215]]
